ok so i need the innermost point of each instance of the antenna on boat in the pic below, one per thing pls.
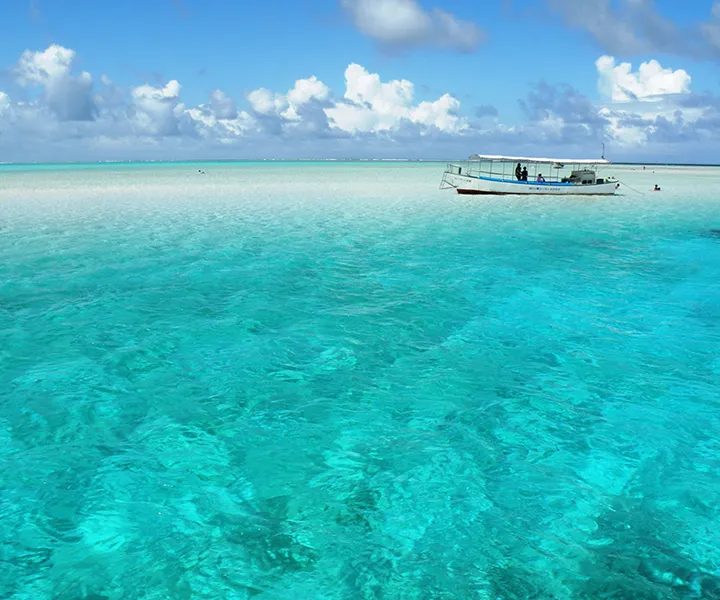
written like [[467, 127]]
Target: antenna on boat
[[603, 152]]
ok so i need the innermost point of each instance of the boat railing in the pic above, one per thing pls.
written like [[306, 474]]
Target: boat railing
[[449, 170], [453, 169], [504, 171], [468, 169], [477, 169]]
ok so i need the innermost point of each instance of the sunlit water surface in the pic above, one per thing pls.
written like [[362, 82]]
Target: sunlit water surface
[[333, 381]]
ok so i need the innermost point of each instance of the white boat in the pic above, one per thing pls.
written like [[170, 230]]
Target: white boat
[[492, 174]]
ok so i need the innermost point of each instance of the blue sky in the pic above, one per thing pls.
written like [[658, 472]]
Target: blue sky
[[527, 67]]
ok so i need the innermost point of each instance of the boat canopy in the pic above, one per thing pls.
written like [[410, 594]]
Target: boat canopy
[[527, 159]]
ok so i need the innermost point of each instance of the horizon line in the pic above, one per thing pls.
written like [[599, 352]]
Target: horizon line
[[242, 160]]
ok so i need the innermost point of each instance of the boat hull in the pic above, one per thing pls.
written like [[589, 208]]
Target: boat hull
[[489, 186]]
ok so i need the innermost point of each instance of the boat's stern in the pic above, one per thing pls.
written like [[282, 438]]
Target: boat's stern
[[454, 178]]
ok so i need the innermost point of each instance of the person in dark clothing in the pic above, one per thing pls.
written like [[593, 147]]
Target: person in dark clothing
[[524, 174], [518, 172]]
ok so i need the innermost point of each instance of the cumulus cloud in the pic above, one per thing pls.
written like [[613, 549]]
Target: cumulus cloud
[[110, 95], [619, 83], [223, 106], [561, 114], [371, 105], [218, 127], [645, 110], [299, 111], [404, 23], [218, 121], [650, 112], [70, 96], [149, 117], [650, 105], [267, 103], [158, 110]]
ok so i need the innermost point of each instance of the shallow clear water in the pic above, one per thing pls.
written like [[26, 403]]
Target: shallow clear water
[[326, 381]]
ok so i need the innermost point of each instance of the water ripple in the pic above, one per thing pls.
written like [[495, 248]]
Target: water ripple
[[355, 387]]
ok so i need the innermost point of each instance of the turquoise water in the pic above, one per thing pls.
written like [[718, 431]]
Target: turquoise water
[[317, 381]]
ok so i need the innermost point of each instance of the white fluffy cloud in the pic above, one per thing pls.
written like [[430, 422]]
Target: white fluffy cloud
[[69, 119], [70, 96], [648, 105], [223, 106], [621, 84], [371, 105], [404, 23], [268, 103], [148, 118], [158, 110]]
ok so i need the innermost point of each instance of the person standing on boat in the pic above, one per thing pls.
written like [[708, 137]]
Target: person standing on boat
[[524, 174], [540, 178], [518, 172]]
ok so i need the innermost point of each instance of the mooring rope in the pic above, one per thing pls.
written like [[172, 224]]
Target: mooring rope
[[632, 188]]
